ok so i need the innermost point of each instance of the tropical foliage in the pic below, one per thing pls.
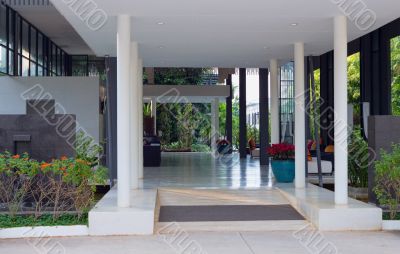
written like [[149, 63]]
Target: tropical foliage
[[387, 177], [395, 56], [353, 86], [358, 160], [179, 76]]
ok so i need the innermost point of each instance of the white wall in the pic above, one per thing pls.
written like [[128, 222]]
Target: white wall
[[78, 96]]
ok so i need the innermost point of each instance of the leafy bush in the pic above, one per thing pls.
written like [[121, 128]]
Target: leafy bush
[[174, 146], [358, 159], [387, 177], [63, 185], [201, 148], [87, 149]]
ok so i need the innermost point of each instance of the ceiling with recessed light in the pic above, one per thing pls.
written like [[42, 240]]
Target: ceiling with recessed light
[[224, 33]]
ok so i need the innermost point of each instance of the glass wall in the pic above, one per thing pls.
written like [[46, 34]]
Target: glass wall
[[354, 86], [26, 51], [315, 96], [286, 107], [395, 70]]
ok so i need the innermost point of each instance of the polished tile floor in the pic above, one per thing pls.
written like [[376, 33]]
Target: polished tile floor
[[202, 170]]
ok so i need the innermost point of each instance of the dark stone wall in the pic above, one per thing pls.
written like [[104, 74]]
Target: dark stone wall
[[383, 131], [44, 136]]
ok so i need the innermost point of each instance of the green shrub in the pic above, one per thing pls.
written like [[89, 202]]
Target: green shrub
[[201, 148], [174, 146], [87, 149], [387, 179], [358, 159], [65, 184]]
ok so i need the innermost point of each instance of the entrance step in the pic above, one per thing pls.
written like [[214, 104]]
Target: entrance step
[[225, 210]]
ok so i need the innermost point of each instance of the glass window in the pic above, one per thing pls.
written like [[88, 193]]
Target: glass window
[[79, 65], [3, 59], [33, 69], [25, 67], [46, 58], [395, 68], [40, 70], [58, 61], [33, 45], [25, 50], [18, 64], [25, 39], [18, 33], [11, 62], [63, 63], [3, 25], [40, 48], [11, 29], [353, 86], [53, 58]]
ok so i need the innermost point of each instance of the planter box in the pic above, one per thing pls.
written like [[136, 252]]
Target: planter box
[[284, 170], [358, 193], [391, 225], [43, 232]]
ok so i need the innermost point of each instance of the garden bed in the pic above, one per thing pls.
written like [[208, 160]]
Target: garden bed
[[7, 221], [391, 224]]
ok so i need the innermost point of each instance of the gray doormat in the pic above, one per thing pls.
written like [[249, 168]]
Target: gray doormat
[[228, 213]]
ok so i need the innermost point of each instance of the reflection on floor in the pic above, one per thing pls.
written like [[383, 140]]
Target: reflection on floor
[[202, 170]]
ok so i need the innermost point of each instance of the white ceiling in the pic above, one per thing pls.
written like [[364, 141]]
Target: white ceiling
[[223, 33], [48, 20]]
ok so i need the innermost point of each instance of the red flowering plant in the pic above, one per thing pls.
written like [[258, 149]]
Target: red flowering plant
[[281, 151]]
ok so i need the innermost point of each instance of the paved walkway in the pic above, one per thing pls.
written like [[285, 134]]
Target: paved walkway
[[211, 243]]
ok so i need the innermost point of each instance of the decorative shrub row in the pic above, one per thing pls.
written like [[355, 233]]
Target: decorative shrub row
[[62, 186]]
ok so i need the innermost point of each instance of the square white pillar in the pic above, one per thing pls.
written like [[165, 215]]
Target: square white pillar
[[340, 105], [275, 136], [134, 114], [140, 120], [300, 141], [123, 106]]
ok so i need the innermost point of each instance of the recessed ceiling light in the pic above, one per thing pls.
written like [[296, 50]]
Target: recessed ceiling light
[[160, 23], [294, 24], [160, 47]]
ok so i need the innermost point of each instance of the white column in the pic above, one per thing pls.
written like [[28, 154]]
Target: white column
[[275, 136], [123, 102], [134, 112], [140, 113], [300, 142], [214, 124], [340, 105], [154, 114]]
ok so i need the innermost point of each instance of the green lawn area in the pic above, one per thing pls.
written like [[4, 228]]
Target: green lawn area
[[7, 221]]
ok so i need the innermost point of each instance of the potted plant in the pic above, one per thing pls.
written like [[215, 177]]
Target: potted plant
[[148, 122], [282, 162]]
